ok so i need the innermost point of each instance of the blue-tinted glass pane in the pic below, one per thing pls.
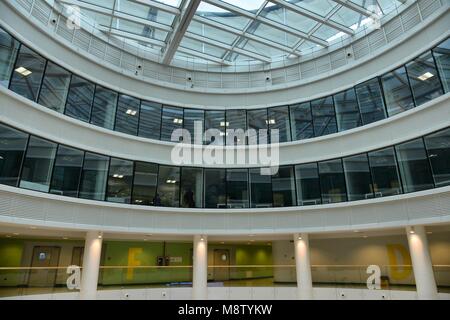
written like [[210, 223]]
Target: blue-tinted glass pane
[[215, 187], [168, 194], [237, 188], [172, 119], [386, 179], [283, 187], [236, 125], [67, 171], [261, 189], [358, 178], [215, 127], [8, 52], [93, 178], [301, 121], [145, 183], [371, 102], [442, 56], [104, 107], [308, 185], [127, 114], [55, 87], [397, 92], [150, 120], [257, 125], [279, 120], [12, 149], [191, 117], [323, 116], [191, 187], [332, 181], [80, 98], [119, 180], [347, 110], [438, 147]]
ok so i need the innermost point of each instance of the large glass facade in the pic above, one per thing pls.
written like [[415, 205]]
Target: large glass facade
[[260, 189], [425, 83], [324, 118], [67, 171], [301, 121], [256, 121], [127, 116], [93, 177], [237, 188], [145, 183], [150, 120], [278, 119], [104, 107], [332, 181], [172, 119], [215, 120], [80, 99], [386, 179], [27, 76], [347, 110], [38, 164], [358, 177], [283, 187], [442, 55], [397, 91], [438, 150], [54, 87], [414, 166], [191, 187], [168, 193], [371, 103], [191, 118], [236, 121], [120, 180], [215, 188], [8, 52], [13, 144], [308, 184]]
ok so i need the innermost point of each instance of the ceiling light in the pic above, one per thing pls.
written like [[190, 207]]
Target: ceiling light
[[15, 233], [365, 237], [411, 231], [425, 76], [119, 176], [8, 236], [270, 121], [299, 238], [23, 71], [222, 242], [131, 112], [65, 238], [178, 121], [224, 124]]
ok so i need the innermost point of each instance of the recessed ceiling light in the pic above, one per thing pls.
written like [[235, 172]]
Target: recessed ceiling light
[[23, 71], [429, 232], [222, 242], [15, 233], [65, 238], [425, 76], [365, 237], [131, 112]]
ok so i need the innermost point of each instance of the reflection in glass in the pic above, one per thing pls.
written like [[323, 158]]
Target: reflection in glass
[[172, 119], [119, 180], [260, 189], [370, 99], [324, 118], [55, 87], [383, 165], [150, 120], [144, 183], [191, 187], [38, 164], [357, 177], [347, 110], [104, 108], [168, 193], [414, 166], [236, 121], [93, 178], [80, 98], [438, 148], [256, 121], [215, 119], [215, 188], [237, 188], [127, 114], [12, 149], [442, 55], [332, 181], [301, 121], [27, 75], [67, 171], [283, 187], [278, 118], [8, 52], [308, 185], [397, 91], [191, 116]]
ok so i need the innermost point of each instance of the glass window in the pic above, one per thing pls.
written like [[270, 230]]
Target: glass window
[[324, 118], [8, 52], [301, 121], [397, 91], [191, 116], [172, 119], [13, 144], [191, 187], [347, 110], [308, 185], [119, 180], [370, 99], [104, 107], [237, 188], [261, 189], [38, 164], [215, 188], [150, 120], [283, 187], [425, 83], [438, 147], [442, 55], [27, 75], [332, 181], [414, 166], [144, 183], [55, 87], [383, 165], [127, 114], [93, 177], [168, 194], [80, 98], [279, 119], [215, 119], [236, 121], [67, 171], [357, 177], [256, 121]]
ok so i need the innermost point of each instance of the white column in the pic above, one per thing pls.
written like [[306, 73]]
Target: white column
[[421, 263], [303, 267], [200, 268], [91, 265]]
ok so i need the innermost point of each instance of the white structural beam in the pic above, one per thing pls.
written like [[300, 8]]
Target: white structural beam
[[266, 21], [203, 56], [303, 267], [313, 16], [158, 5], [183, 21], [352, 6], [131, 36], [91, 265], [200, 268]]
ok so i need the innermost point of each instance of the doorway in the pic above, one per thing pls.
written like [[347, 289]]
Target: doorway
[[45, 260], [222, 262]]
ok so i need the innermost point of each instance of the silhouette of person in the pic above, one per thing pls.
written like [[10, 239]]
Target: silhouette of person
[[157, 200], [189, 198]]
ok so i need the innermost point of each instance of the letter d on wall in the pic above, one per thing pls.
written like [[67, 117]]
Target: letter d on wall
[[374, 280]]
